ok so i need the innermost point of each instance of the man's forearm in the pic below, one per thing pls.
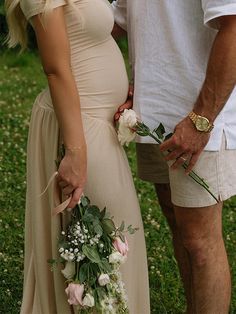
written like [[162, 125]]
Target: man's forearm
[[118, 32], [221, 71]]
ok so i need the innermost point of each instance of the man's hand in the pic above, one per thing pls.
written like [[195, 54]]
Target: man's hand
[[127, 105], [185, 145], [118, 32]]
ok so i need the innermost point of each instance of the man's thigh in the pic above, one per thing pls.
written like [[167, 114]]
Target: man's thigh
[[151, 165]]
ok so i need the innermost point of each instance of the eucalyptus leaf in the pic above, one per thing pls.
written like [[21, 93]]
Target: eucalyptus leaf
[[108, 226], [87, 217], [105, 266], [85, 201], [122, 237], [131, 230], [94, 268], [103, 213], [94, 210], [91, 253], [101, 292], [83, 272], [97, 228], [122, 226]]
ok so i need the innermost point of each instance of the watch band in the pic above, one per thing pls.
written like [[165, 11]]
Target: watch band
[[195, 117]]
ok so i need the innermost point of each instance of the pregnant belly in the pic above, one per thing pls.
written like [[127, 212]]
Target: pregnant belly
[[100, 75]]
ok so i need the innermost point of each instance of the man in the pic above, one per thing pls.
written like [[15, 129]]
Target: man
[[183, 56]]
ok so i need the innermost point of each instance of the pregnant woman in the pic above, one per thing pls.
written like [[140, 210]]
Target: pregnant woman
[[86, 82]]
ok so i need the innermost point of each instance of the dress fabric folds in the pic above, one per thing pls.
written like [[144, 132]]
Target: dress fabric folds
[[101, 78]]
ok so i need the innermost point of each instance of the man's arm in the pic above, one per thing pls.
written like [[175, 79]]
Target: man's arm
[[187, 142], [118, 32]]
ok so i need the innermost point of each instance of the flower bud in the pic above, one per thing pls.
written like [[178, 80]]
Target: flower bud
[[103, 279]]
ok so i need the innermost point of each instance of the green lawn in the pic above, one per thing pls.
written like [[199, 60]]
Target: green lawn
[[21, 79]]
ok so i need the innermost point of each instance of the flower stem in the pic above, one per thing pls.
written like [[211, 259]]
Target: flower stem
[[146, 132]]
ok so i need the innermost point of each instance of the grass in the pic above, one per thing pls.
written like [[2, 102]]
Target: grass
[[21, 79]]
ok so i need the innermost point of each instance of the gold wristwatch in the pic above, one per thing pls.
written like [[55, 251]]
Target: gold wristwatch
[[201, 123]]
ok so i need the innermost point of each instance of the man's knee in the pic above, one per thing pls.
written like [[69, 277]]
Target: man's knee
[[201, 247], [200, 231], [198, 250]]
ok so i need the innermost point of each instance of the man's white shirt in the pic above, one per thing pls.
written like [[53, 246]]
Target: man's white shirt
[[170, 43]]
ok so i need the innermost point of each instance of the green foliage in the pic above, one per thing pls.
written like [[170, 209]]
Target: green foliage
[[3, 25], [19, 84], [2, 9], [160, 131]]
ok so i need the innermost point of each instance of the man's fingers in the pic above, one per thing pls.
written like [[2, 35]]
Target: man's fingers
[[175, 154], [117, 116], [179, 162], [167, 145], [127, 105], [192, 162], [75, 197]]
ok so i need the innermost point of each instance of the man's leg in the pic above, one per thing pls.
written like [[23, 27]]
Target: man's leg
[[152, 167], [164, 197], [201, 236]]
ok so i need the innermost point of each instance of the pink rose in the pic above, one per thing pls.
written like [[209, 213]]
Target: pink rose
[[120, 246], [75, 293]]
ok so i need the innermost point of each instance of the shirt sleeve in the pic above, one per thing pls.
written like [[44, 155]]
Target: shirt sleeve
[[216, 8], [34, 7], [120, 12]]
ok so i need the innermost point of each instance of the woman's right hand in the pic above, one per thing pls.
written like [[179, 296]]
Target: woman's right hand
[[72, 174]]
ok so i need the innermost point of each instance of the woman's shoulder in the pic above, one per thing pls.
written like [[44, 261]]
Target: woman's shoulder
[[34, 7]]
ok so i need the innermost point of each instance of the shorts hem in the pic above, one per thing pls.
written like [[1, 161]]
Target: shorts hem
[[154, 180]]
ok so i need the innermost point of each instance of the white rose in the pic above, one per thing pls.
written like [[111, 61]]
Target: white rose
[[69, 270], [125, 134], [117, 258], [88, 300], [103, 279], [129, 118]]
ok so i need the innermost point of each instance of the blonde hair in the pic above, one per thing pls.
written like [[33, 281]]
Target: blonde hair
[[17, 22]]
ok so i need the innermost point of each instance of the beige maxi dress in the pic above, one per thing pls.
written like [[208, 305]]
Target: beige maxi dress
[[102, 83]]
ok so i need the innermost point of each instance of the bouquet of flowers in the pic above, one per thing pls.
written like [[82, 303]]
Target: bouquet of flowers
[[92, 249], [129, 126]]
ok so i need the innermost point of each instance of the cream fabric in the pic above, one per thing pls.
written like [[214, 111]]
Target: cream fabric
[[33, 7], [170, 43], [217, 168], [102, 82]]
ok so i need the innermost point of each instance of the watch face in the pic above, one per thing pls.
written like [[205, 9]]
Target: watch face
[[202, 124]]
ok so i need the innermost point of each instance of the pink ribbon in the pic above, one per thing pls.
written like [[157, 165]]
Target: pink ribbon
[[61, 207]]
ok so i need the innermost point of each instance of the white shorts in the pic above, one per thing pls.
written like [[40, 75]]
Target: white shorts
[[217, 168]]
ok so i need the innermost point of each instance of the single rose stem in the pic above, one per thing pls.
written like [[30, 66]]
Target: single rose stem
[[200, 181], [192, 174]]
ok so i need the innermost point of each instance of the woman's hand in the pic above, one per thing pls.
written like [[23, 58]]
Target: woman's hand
[[72, 173]]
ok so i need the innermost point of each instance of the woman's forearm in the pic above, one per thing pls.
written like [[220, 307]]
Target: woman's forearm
[[66, 104], [54, 50]]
